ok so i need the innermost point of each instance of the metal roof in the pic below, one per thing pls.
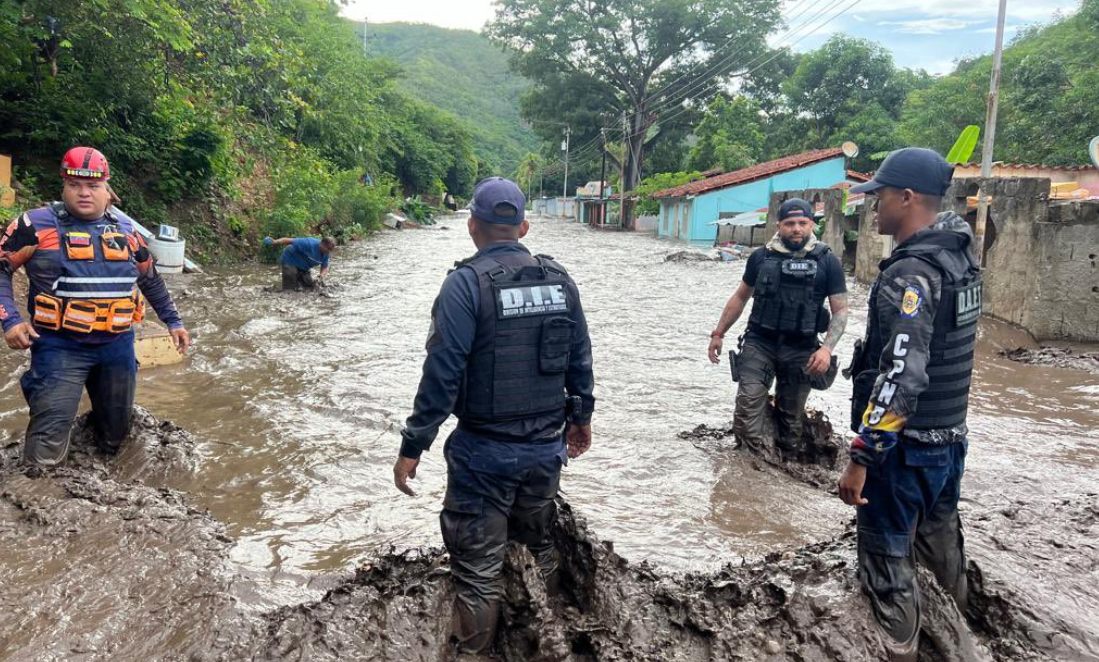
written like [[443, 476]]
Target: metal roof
[[751, 173]]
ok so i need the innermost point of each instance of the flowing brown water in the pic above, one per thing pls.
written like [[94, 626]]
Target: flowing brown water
[[297, 400]]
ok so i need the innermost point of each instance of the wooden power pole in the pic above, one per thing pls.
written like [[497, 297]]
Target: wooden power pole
[[990, 135]]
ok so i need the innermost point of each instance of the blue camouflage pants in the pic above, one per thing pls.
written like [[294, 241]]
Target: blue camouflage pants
[[61, 368], [911, 517], [496, 492]]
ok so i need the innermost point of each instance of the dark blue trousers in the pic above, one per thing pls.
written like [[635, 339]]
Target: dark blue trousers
[[496, 491], [911, 517], [61, 368]]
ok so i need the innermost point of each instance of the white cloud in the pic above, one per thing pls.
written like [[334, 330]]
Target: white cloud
[[929, 25], [1033, 10]]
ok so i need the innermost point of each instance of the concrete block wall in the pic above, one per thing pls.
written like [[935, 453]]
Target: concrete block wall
[[1010, 264], [1066, 305]]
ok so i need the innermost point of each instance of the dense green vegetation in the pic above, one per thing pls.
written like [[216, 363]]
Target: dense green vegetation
[[1049, 102], [848, 89], [231, 118], [464, 74], [625, 63]]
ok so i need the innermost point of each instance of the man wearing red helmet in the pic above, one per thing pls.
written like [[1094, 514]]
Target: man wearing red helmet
[[90, 274]]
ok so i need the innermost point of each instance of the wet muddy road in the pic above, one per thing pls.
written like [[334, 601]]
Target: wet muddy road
[[296, 400]]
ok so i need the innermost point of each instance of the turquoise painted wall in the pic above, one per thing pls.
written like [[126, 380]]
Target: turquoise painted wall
[[707, 207]]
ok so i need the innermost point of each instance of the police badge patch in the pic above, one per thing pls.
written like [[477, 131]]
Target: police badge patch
[[912, 302]]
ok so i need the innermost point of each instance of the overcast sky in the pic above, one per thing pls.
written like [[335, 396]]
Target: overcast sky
[[921, 33]]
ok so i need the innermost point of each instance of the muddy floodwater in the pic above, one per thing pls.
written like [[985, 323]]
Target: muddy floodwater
[[295, 401]]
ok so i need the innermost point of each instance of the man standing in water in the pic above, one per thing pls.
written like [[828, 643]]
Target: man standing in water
[[299, 258], [789, 280], [912, 379], [85, 265], [508, 341]]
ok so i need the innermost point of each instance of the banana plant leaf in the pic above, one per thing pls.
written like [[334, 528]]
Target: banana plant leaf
[[963, 148]]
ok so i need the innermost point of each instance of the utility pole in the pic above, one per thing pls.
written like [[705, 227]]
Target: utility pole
[[603, 176], [541, 174], [565, 147], [622, 184], [990, 134]]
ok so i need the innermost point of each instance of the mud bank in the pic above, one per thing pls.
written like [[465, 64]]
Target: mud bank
[[816, 461], [102, 563], [149, 577], [1060, 357]]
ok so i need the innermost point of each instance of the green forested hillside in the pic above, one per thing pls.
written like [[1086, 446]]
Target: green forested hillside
[[462, 73], [1049, 99], [229, 118]]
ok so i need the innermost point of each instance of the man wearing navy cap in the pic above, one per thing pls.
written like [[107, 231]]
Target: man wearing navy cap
[[788, 281], [912, 376], [508, 341]]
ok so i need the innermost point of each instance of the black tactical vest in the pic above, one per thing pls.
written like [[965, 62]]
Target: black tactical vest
[[954, 338], [520, 354], [785, 301]]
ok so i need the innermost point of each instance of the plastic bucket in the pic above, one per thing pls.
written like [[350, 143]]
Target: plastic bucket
[[168, 254]]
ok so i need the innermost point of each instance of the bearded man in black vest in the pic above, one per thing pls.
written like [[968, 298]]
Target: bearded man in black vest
[[787, 281]]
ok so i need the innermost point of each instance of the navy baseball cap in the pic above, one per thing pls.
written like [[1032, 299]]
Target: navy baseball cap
[[498, 200], [795, 207], [921, 170]]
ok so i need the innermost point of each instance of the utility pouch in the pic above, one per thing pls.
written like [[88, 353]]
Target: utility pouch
[[860, 396], [116, 247], [78, 246], [139, 308], [47, 312], [120, 316], [853, 368], [556, 341], [79, 316], [734, 365]]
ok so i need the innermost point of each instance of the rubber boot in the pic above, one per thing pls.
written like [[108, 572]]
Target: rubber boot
[[477, 627]]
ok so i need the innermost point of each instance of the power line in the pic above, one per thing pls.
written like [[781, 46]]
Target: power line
[[778, 52], [682, 94], [744, 46]]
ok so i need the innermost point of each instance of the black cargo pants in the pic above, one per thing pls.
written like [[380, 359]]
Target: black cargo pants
[[761, 361], [496, 492]]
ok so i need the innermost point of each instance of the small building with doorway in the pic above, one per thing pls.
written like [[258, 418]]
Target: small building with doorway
[[689, 212]]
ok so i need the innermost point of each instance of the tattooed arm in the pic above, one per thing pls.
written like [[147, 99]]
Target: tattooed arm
[[838, 325], [822, 358]]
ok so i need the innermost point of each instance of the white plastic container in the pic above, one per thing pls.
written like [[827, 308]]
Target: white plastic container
[[168, 254]]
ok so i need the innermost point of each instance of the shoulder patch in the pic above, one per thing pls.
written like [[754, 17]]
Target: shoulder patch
[[912, 302]]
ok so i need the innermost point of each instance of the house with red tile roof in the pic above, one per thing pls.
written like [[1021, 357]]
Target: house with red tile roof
[[688, 212]]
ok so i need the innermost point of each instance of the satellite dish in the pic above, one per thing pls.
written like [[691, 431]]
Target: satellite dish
[[850, 149], [1093, 150]]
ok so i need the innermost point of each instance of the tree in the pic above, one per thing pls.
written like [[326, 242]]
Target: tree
[[730, 135], [527, 172], [644, 60], [659, 182], [836, 82]]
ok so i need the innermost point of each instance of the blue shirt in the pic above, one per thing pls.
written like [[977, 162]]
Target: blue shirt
[[304, 253]]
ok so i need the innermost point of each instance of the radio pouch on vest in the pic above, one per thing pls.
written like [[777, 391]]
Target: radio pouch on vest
[[556, 341]]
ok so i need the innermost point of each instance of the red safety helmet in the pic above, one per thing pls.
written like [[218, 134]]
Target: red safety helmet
[[85, 163]]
